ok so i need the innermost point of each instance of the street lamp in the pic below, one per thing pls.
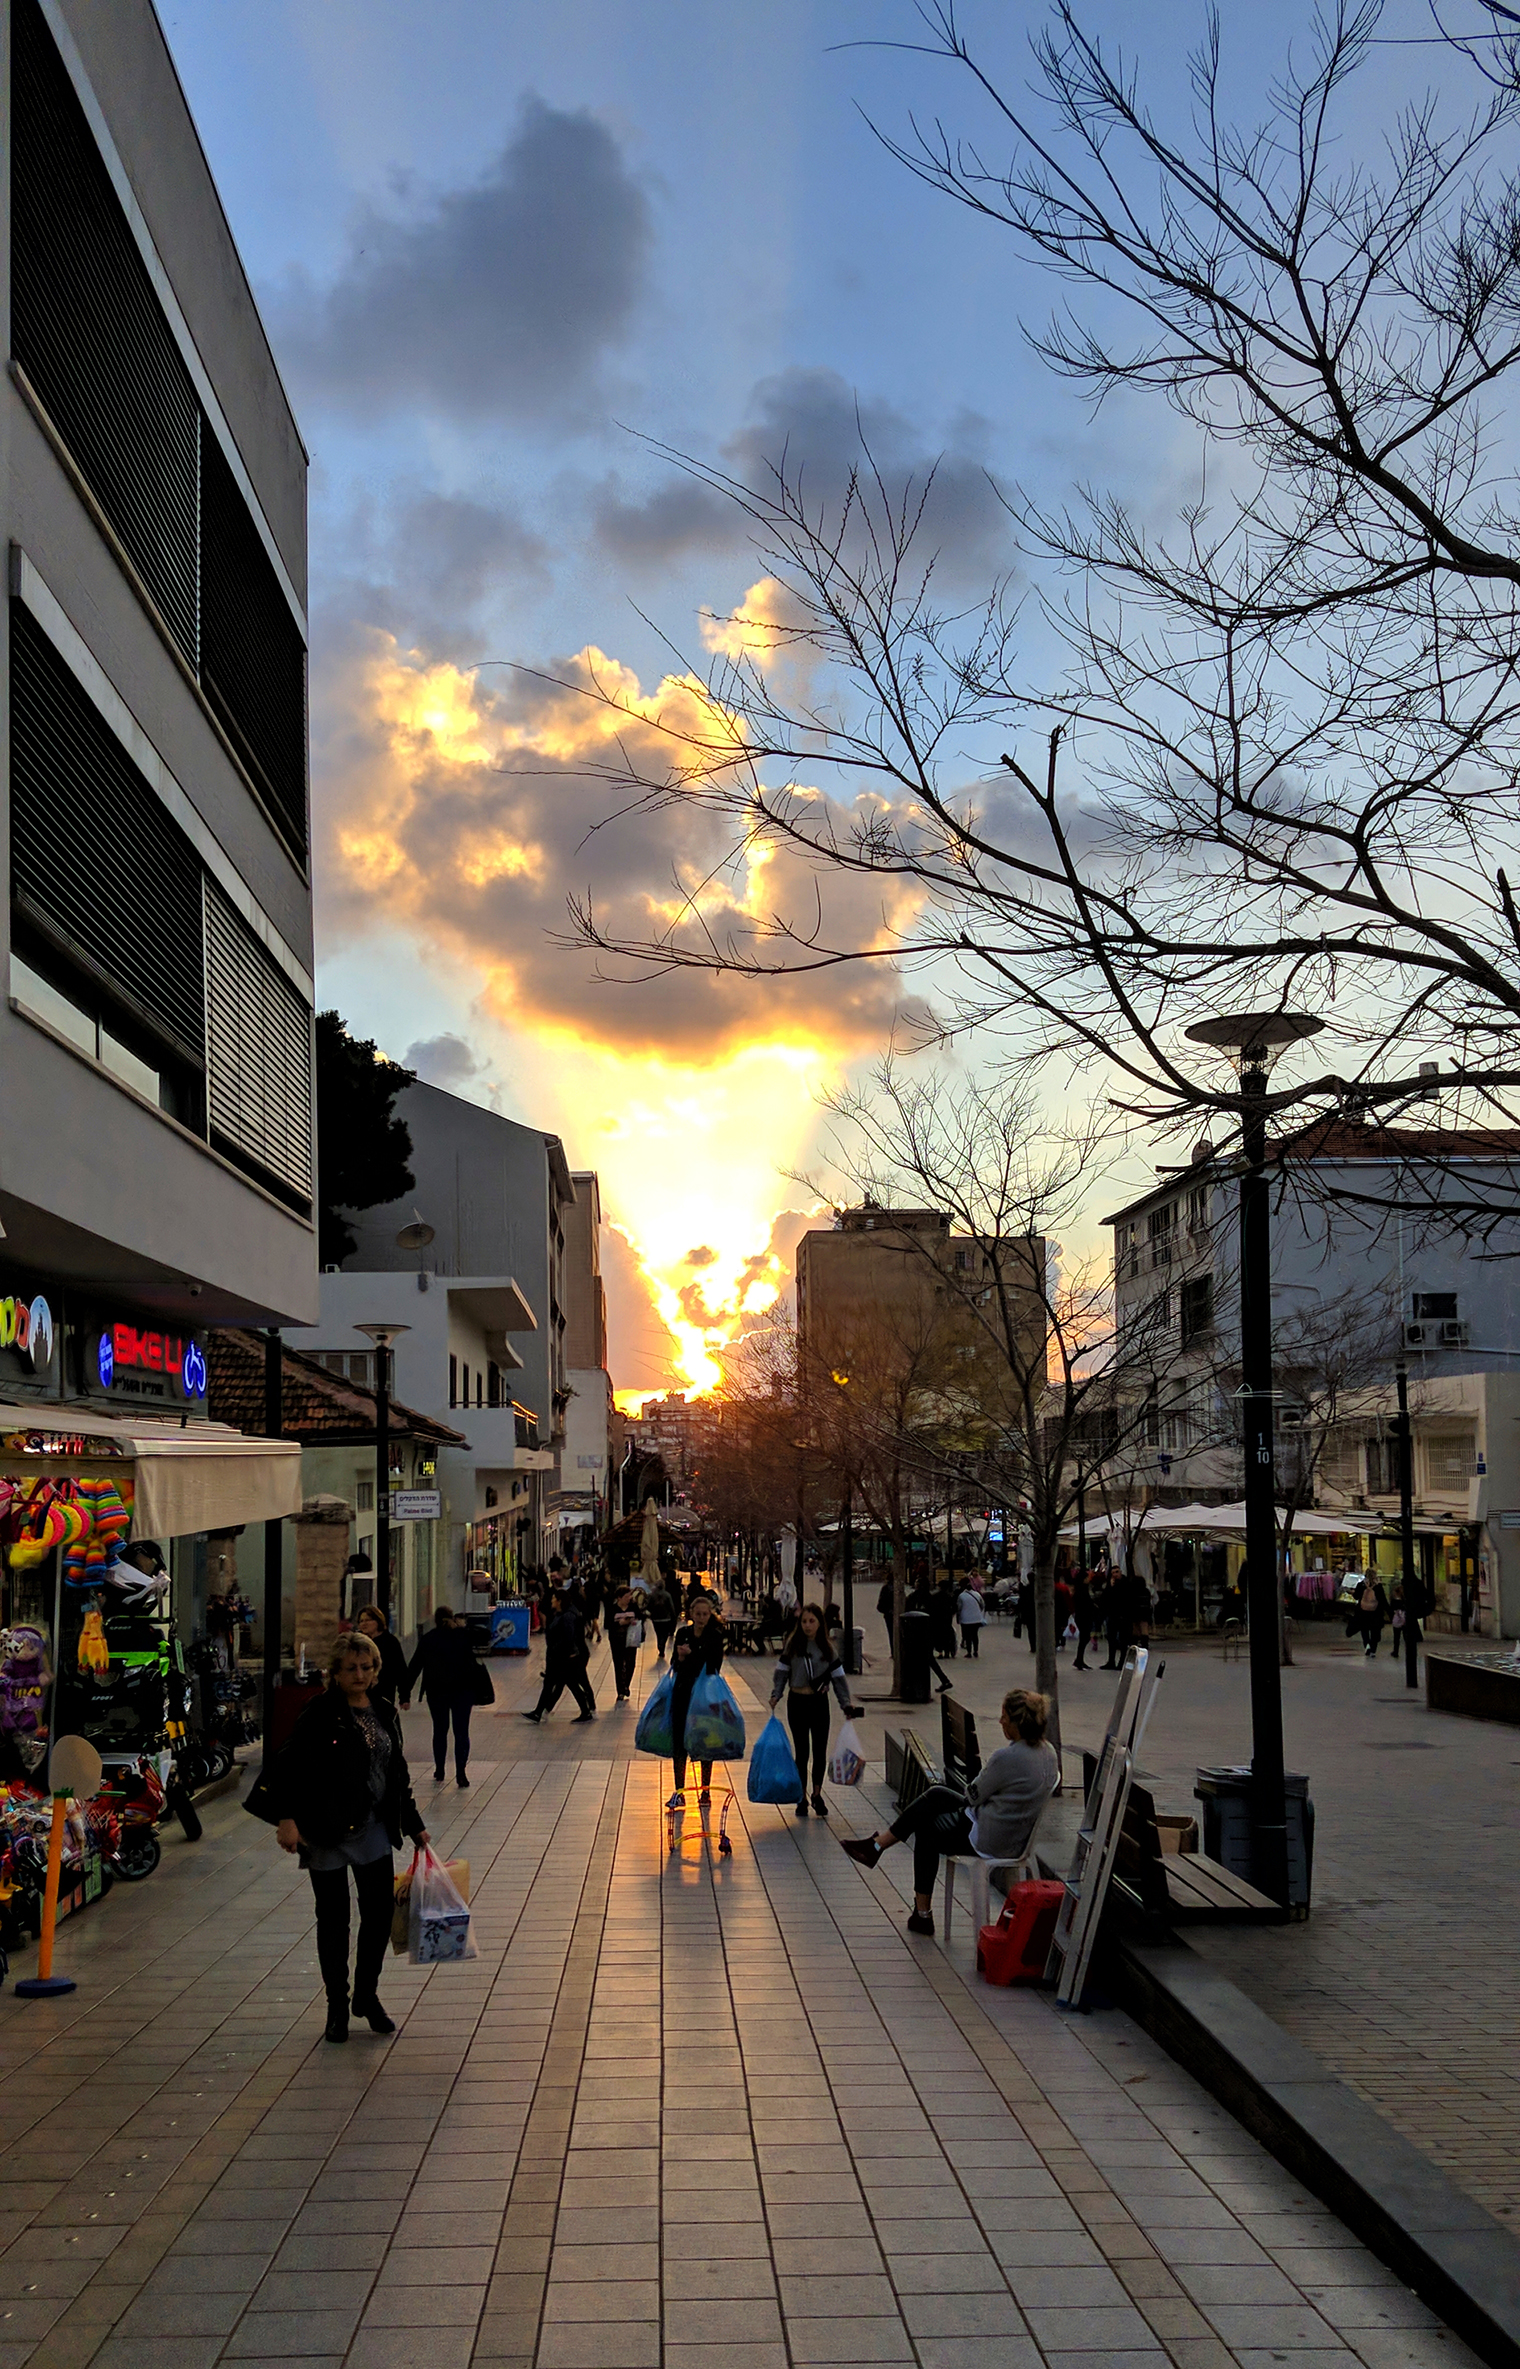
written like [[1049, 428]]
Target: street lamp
[[1254, 1040], [382, 1335]]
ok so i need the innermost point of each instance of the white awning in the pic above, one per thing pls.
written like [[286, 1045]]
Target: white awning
[[186, 1477], [1226, 1520]]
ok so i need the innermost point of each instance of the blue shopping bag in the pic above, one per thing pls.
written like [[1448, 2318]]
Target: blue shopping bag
[[653, 1731], [714, 1722], [773, 1766]]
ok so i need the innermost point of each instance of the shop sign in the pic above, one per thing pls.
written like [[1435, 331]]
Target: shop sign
[[416, 1505], [123, 1351], [27, 1325]]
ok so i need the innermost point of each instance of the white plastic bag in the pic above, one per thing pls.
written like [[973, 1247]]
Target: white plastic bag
[[848, 1764], [440, 1916]]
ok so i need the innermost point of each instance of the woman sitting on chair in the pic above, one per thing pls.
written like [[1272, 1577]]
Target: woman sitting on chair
[[995, 1818]]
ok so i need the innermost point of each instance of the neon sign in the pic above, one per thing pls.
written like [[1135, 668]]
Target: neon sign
[[28, 1326], [121, 1349]]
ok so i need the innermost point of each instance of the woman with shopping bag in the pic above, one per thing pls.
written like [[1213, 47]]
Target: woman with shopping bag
[[805, 1670], [339, 1797], [696, 1651]]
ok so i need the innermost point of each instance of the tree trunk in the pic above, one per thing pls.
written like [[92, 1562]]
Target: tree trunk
[[899, 1598], [1045, 1636]]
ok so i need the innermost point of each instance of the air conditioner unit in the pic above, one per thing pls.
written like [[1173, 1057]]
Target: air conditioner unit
[[1419, 1336], [1453, 1335]]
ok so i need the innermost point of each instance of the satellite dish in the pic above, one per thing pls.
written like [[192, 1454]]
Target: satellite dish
[[415, 1237]]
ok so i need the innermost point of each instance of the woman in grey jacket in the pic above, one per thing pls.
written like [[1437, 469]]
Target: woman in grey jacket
[[996, 1817], [808, 1666]]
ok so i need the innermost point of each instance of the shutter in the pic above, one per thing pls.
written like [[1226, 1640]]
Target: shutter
[[258, 1055], [89, 332], [253, 661], [97, 864]]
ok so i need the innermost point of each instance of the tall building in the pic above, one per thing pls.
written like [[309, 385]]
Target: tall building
[[876, 1274], [586, 1457], [156, 1029]]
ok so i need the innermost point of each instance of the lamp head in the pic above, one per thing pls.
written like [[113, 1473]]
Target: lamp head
[[1255, 1039], [382, 1334]]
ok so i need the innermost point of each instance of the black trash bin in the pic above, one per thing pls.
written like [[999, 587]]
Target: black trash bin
[[914, 1658], [1230, 1837], [852, 1651]]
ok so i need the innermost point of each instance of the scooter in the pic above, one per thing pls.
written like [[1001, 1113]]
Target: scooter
[[134, 1799]]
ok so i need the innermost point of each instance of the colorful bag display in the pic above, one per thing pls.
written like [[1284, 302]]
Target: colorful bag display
[[439, 1925], [714, 1721], [653, 1733], [773, 1765], [847, 1764]]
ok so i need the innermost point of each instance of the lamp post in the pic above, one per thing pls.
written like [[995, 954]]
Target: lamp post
[[1255, 1039], [382, 1335], [1414, 1593], [274, 1535]]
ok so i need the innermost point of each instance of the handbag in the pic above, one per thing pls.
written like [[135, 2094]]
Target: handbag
[[482, 1690], [439, 1925], [401, 1919], [633, 1635]]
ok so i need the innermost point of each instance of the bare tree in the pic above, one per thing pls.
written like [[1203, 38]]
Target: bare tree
[[1294, 721]]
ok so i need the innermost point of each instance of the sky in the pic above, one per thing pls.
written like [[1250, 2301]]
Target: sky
[[504, 251]]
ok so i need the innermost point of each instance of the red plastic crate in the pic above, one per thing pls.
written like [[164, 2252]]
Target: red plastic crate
[[1016, 1947]]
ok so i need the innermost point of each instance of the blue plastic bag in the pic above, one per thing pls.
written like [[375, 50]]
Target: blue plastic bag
[[653, 1731], [714, 1722], [773, 1766]]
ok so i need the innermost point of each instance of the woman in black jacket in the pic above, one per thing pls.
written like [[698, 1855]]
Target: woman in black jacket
[[371, 1622], [445, 1663], [807, 1668], [340, 1797], [697, 1646]]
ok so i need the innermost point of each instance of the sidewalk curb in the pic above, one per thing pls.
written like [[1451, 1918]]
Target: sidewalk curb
[[1455, 2256]]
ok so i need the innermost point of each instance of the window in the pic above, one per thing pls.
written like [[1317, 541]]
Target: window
[[1431, 1307], [1196, 1304], [466, 1399], [493, 1384], [96, 348], [258, 1055], [1382, 1467], [1198, 1210], [480, 1388], [962, 1262], [1450, 1458], [364, 1497], [1158, 1227], [453, 1379]]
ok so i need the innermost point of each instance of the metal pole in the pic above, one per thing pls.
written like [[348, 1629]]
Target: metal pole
[[383, 1479], [1269, 1807], [1082, 1527], [274, 1532], [1413, 1591], [847, 1580]]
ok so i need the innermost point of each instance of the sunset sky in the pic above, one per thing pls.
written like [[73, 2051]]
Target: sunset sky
[[497, 245]]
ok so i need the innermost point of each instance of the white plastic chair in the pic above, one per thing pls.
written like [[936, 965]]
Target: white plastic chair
[[1024, 1868]]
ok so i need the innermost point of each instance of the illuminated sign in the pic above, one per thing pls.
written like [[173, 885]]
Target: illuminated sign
[[122, 1349], [27, 1325]]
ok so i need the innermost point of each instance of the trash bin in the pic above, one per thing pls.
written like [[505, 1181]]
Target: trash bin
[[914, 1658], [1230, 1837], [509, 1626], [854, 1652]]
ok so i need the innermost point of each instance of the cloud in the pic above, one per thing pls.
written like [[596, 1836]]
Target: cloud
[[445, 1061], [642, 1351], [499, 299], [465, 806], [814, 423], [702, 1255]]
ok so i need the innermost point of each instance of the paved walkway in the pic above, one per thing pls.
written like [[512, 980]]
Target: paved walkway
[[681, 2113]]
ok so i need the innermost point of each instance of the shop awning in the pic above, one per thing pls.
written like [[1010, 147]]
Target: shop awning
[[1226, 1521], [186, 1477]]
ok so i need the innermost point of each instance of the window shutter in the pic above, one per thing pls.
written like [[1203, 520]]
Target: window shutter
[[258, 1054], [253, 661]]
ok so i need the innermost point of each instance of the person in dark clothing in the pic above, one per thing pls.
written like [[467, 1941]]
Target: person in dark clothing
[[662, 1616], [1116, 1621], [565, 1657], [942, 1603], [1024, 1617], [698, 1646], [340, 1797], [445, 1664], [918, 1600], [884, 1607], [1082, 1613], [1371, 1613], [1063, 1603], [370, 1622], [625, 1630], [808, 1666]]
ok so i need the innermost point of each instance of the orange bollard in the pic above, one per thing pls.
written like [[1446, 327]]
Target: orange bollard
[[45, 1984]]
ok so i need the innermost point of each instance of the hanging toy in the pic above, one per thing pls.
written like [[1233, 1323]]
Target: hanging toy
[[94, 1652], [107, 1510], [41, 1528], [23, 1681]]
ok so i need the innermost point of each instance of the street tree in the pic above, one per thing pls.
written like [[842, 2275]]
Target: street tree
[[362, 1147]]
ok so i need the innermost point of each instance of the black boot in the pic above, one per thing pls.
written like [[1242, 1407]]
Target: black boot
[[374, 2015], [337, 2019]]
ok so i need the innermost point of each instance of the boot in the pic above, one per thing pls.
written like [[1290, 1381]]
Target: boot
[[337, 2019]]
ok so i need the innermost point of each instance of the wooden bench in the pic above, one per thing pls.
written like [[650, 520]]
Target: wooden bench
[[1184, 1887], [910, 1771], [958, 1745]]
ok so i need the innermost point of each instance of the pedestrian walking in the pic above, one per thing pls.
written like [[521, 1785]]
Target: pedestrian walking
[[625, 1634], [565, 1657], [885, 1601], [996, 1816], [1062, 1598], [808, 1666], [972, 1615], [339, 1797], [370, 1622], [1116, 1620], [1083, 1613], [662, 1616], [1371, 1614], [1024, 1618], [942, 1609], [697, 1647], [444, 1664]]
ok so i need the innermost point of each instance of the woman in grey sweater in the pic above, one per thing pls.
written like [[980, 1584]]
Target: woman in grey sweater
[[807, 1668], [995, 1818]]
